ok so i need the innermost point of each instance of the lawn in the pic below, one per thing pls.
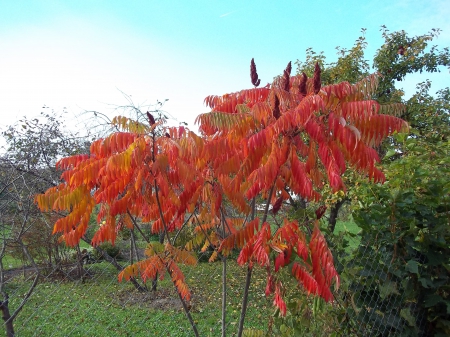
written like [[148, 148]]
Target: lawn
[[103, 307], [10, 262]]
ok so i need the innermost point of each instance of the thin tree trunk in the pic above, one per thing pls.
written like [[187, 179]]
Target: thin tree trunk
[[134, 255], [80, 269], [138, 228], [7, 318], [334, 214], [188, 315], [249, 269], [4, 304], [245, 301], [224, 285], [131, 247], [155, 280], [253, 206], [169, 241], [59, 254], [179, 231], [161, 236]]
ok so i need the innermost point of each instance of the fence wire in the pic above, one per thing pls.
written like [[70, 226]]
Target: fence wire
[[69, 301], [375, 301]]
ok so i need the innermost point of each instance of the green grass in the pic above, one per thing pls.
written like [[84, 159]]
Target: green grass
[[97, 307], [104, 307], [84, 245], [10, 262]]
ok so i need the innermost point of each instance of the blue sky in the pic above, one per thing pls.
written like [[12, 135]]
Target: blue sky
[[83, 54]]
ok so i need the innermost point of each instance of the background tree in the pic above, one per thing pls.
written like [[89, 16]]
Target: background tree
[[399, 56], [405, 222], [17, 214], [32, 149], [401, 220], [27, 168]]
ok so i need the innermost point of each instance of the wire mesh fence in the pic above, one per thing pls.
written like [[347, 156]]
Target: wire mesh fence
[[374, 298], [81, 296], [69, 301]]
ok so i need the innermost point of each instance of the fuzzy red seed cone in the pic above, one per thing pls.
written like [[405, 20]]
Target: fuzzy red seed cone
[[302, 85], [253, 74], [277, 205], [321, 211], [287, 76], [289, 68], [316, 79], [275, 105], [276, 112], [151, 120], [286, 81]]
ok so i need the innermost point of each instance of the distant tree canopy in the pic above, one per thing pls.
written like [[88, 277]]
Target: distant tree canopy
[[399, 56]]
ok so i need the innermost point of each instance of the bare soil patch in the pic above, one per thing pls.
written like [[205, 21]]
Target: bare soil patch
[[162, 299]]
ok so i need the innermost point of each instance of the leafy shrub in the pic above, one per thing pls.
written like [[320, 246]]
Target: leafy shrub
[[401, 272], [113, 251]]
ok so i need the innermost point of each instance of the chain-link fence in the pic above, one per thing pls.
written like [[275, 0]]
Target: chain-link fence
[[81, 295], [375, 299]]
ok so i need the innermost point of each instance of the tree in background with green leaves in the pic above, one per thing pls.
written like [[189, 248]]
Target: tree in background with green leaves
[[396, 282], [26, 168], [406, 233]]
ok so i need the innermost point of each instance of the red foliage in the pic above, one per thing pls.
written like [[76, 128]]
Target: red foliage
[[291, 136], [278, 299]]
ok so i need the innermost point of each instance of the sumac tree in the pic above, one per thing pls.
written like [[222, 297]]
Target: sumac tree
[[281, 141]]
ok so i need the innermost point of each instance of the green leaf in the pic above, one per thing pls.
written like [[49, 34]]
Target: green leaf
[[426, 283], [432, 300], [412, 266], [390, 153], [406, 314], [388, 288]]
